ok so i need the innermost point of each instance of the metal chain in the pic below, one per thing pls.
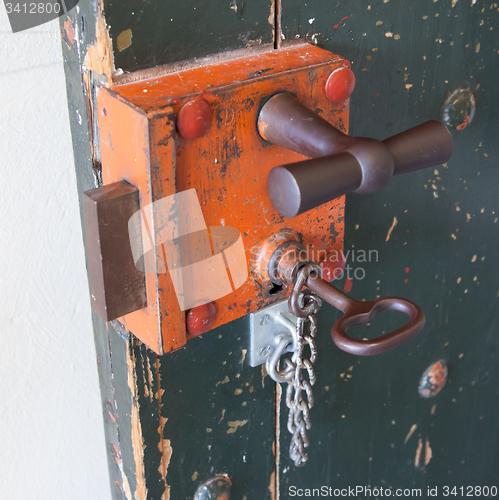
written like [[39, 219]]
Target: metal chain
[[299, 396]]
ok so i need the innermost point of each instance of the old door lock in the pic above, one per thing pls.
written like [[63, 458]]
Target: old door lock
[[255, 123]]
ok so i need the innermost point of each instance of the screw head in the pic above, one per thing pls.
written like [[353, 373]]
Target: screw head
[[217, 488], [265, 350], [434, 379], [265, 320], [340, 85], [459, 109]]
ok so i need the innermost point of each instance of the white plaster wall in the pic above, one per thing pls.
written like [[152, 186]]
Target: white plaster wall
[[51, 428]]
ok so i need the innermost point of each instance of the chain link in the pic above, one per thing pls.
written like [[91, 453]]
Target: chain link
[[299, 396]]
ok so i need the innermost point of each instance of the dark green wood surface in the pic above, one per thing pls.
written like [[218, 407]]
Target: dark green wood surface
[[446, 216], [167, 32], [220, 415], [365, 407]]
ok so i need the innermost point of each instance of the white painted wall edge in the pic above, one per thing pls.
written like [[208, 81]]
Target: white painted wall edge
[[52, 436]]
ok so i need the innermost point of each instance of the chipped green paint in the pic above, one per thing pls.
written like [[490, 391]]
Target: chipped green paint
[[370, 426], [442, 224], [167, 32]]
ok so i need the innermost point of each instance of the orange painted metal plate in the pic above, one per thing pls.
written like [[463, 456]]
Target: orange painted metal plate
[[227, 166]]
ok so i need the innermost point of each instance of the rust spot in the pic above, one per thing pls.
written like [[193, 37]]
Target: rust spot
[[464, 124], [125, 486], [68, 33], [337, 25], [433, 380], [116, 454]]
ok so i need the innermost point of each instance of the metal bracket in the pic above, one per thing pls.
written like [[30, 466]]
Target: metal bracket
[[267, 328]]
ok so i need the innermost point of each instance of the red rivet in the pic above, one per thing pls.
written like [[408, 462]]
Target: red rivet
[[193, 119], [200, 318], [340, 85], [333, 265]]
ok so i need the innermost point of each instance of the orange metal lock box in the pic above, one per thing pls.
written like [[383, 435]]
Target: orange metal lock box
[[227, 166]]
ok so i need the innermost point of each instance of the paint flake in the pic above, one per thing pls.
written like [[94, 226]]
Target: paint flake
[[410, 433], [417, 458], [394, 223], [235, 424], [428, 453], [124, 40]]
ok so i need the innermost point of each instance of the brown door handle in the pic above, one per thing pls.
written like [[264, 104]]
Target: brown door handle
[[341, 164], [358, 313]]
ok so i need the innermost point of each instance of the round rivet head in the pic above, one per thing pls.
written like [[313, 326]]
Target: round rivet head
[[340, 85], [434, 379], [194, 119], [200, 318], [459, 109], [216, 488]]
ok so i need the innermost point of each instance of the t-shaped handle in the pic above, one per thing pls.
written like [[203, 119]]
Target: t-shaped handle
[[341, 164]]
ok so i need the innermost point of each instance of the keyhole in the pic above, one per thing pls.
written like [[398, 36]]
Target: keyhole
[[275, 289]]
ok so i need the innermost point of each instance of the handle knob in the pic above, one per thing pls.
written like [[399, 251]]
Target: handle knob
[[341, 164]]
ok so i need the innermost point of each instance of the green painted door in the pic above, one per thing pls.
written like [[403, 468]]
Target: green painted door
[[173, 422]]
